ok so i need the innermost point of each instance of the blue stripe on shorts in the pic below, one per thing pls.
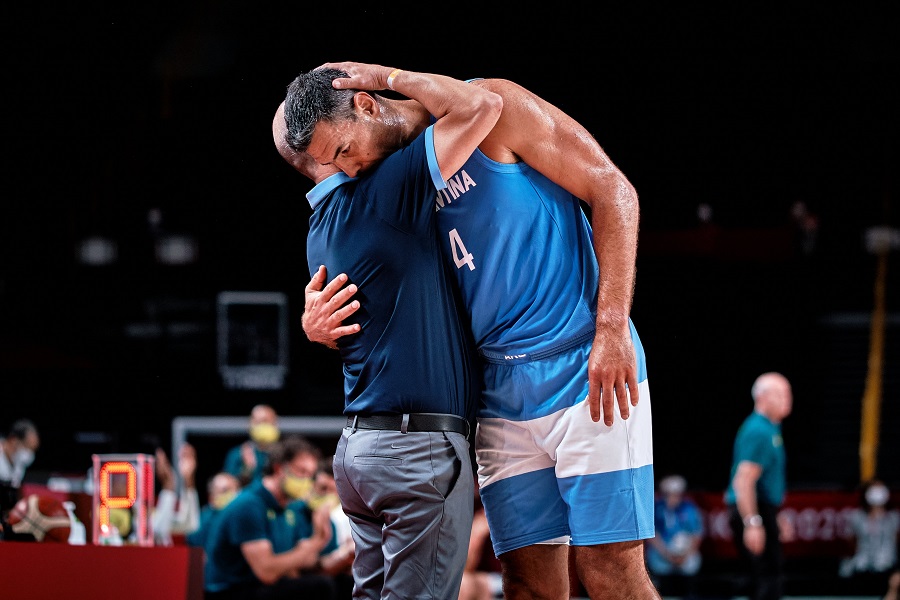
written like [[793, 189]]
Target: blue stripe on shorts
[[619, 506], [527, 504], [610, 507]]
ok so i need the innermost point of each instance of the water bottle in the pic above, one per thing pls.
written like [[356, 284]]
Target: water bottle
[[77, 531]]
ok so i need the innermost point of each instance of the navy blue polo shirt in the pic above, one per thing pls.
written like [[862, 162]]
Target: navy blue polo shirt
[[413, 352]]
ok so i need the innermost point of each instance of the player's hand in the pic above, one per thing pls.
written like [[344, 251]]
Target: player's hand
[[612, 366], [362, 76], [326, 308]]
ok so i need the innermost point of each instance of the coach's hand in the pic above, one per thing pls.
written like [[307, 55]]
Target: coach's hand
[[326, 309]]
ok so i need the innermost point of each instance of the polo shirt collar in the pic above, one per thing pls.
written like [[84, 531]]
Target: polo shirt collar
[[321, 190]]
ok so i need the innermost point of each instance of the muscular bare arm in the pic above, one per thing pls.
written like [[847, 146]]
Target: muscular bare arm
[[537, 132], [464, 115], [533, 130]]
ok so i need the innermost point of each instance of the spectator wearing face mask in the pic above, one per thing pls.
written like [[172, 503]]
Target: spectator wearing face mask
[[17, 450], [673, 555], [268, 542], [338, 563], [247, 460], [221, 489], [875, 528]]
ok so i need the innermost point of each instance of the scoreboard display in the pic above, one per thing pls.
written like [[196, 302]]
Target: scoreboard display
[[123, 499]]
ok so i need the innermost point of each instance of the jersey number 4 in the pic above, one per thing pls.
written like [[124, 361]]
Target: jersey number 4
[[460, 255]]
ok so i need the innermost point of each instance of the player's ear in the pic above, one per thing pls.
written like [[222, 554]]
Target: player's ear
[[364, 103]]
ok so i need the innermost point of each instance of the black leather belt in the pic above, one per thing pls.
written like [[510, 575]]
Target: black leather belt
[[411, 422]]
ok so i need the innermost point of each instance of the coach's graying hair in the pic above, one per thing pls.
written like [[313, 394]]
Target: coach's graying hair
[[311, 98]]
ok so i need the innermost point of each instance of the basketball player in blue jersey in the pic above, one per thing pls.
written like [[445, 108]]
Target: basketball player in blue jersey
[[402, 465], [549, 307]]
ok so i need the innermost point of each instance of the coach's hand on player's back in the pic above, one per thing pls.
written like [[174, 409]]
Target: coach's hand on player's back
[[326, 308]]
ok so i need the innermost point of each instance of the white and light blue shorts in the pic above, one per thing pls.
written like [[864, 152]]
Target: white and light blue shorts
[[547, 473]]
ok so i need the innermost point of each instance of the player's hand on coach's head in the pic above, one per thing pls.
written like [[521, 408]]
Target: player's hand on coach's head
[[361, 76]]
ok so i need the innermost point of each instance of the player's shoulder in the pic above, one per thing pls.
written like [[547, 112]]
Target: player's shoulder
[[504, 87], [519, 113]]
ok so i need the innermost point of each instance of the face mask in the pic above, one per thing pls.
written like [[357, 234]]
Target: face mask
[[264, 433], [877, 495], [222, 500], [298, 488], [23, 457], [330, 498]]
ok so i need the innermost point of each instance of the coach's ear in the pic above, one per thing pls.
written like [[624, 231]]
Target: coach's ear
[[365, 105]]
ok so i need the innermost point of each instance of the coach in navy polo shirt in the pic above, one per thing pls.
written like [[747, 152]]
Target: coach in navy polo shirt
[[402, 465]]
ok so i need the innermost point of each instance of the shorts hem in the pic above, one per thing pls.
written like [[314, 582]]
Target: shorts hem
[[610, 538], [529, 540]]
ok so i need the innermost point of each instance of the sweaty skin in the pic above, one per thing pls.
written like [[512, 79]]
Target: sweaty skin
[[530, 129]]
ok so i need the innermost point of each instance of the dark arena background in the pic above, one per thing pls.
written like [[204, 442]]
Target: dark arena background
[[147, 213]]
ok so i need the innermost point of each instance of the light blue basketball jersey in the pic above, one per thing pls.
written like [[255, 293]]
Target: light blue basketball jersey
[[521, 248]]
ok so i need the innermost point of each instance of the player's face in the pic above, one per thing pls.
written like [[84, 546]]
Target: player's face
[[349, 145]]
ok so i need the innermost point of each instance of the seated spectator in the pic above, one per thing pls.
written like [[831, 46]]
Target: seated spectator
[[267, 543], [875, 530], [17, 449], [338, 563], [247, 460], [673, 555], [221, 489]]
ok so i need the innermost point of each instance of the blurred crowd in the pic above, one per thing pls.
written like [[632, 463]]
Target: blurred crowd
[[271, 519]]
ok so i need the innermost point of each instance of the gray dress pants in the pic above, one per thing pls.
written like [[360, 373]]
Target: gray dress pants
[[410, 499]]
